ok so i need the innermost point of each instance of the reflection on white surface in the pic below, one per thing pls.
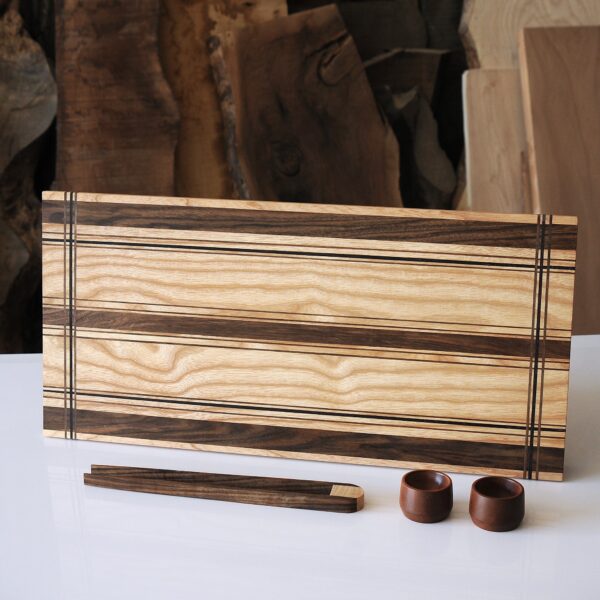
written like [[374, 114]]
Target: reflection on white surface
[[62, 540]]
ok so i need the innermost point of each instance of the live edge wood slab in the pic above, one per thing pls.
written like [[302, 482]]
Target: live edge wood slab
[[356, 334], [247, 489]]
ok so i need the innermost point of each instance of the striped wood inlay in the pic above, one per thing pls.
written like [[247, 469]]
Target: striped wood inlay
[[376, 336]]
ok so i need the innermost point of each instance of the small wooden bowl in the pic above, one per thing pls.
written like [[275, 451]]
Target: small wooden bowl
[[426, 496], [497, 503]]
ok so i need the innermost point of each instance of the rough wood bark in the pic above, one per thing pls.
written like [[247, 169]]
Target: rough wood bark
[[184, 29], [304, 124], [117, 121]]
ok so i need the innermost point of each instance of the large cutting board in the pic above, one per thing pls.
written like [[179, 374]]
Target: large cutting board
[[369, 335]]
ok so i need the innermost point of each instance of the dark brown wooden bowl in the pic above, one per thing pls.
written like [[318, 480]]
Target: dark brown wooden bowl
[[426, 496], [497, 503]]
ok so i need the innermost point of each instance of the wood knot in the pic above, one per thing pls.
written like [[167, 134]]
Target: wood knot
[[287, 157], [337, 61]]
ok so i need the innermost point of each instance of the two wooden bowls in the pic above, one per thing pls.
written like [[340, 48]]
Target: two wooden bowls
[[496, 503]]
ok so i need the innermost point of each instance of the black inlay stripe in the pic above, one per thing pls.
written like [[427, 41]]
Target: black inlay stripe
[[153, 311], [228, 413], [71, 407], [282, 349], [317, 334], [304, 254], [310, 411], [325, 225], [544, 342], [57, 390], [309, 441], [65, 314], [283, 312], [310, 245], [538, 312]]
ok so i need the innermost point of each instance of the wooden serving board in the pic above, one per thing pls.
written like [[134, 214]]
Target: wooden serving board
[[379, 336]]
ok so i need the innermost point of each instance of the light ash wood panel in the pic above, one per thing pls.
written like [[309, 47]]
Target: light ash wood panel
[[377, 336], [300, 288], [560, 70], [489, 28], [495, 145]]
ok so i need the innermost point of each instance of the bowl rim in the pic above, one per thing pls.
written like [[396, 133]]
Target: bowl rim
[[447, 481], [519, 492]]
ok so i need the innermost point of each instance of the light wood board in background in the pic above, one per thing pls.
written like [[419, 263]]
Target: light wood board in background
[[495, 146], [357, 334], [560, 69], [490, 28]]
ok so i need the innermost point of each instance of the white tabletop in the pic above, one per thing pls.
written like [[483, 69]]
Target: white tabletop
[[60, 539]]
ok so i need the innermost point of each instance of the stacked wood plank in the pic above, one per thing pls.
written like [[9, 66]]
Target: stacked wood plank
[[532, 120], [490, 32], [127, 126]]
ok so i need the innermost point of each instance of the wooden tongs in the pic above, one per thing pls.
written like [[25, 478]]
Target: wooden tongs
[[269, 491]]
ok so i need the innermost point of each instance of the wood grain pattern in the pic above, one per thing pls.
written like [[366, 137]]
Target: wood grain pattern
[[370, 335], [184, 29], [495, 145], [293, 91], [269, 491], [27, 88], [560, 70], [117, 118], [403, 69], [490, 28], [377, 26]]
